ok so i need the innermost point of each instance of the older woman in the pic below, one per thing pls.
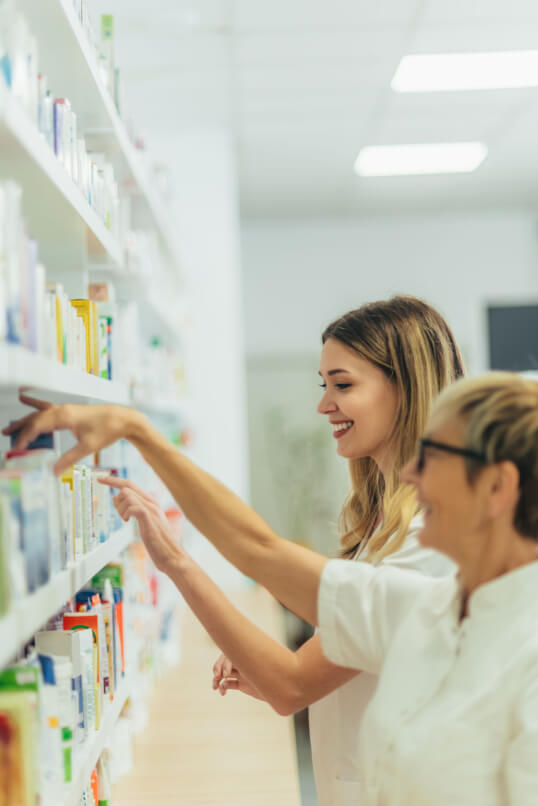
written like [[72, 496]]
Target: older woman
[[455, 716]]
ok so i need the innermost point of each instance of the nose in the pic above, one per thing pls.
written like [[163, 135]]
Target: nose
[[326, 405]]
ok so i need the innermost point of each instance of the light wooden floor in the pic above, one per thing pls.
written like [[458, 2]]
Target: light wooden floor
[[204, 749]]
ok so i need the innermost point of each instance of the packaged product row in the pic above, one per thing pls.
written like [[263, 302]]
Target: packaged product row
[[95, 334], [56, 697], [55, 117], [102, 47], [47, 523]]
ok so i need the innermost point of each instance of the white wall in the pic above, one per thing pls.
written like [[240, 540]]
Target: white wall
[[299, 275], [206, 215]]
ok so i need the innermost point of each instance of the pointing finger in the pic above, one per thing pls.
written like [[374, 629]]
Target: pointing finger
[[35, 402]]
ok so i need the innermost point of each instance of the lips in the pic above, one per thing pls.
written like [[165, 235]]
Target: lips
[[341, 428]]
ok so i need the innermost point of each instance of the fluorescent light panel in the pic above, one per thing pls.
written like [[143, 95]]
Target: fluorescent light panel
[[416, 159], [443, 72]]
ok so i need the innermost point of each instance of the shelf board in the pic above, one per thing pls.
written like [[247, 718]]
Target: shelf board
[[96, 744], [34, 610], [71, 66], [20, 367], [56, 210], [157, 404]]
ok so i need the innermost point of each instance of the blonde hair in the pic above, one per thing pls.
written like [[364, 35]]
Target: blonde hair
[[413, 345], [500, 415]]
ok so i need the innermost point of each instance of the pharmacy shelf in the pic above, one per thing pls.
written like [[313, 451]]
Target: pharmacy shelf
[[34, 610], [53, 205], [71, 66], [20, 367], [176, 408], [96, 745]]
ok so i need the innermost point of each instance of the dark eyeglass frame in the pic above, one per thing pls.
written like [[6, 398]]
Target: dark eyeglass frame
[[443, 446]]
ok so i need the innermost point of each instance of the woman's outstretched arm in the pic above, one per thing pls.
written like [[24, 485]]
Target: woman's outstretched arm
[[290, 572], [288, 681]]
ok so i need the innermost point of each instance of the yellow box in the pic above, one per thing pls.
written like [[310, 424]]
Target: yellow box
[[86, 309]]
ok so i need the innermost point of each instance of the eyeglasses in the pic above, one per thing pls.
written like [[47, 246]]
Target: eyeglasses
[[442, 446]]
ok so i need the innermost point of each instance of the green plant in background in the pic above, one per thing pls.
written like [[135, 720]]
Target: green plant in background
[[298, 465]]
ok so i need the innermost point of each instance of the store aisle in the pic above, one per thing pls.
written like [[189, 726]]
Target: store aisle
[[201, 748]]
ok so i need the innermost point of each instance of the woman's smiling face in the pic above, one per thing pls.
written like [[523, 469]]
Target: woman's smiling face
[[360, 402], [456, 512]]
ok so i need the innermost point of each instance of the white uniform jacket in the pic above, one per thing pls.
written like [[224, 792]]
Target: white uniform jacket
[[455, 716], [336, 719]]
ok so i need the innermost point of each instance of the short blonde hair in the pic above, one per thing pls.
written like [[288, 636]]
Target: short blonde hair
[[500, 415]]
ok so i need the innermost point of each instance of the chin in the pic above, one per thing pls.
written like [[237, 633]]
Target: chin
[[352, 451], [346, 454]]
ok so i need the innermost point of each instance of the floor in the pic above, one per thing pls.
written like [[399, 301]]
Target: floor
[[201, 749]]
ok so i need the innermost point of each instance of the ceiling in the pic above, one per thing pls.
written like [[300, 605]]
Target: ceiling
[[304, 84]]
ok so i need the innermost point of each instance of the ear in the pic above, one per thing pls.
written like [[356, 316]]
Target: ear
[[504, 488]]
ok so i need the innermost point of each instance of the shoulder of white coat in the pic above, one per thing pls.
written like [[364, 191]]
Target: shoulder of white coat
[[413, 556]]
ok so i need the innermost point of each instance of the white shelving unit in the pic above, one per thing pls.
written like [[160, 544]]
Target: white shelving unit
[[96, 744], [67, 216], [21, 368], [73, 239], [33, 611], [71, 66]]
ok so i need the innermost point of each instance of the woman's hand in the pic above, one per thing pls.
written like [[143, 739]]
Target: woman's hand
[[94, 427], [226, 676], [133, 502]]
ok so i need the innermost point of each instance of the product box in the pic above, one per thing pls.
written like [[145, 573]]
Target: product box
[[18, 771], [19, 705], [69, 644], [85, 309], [56, 704], [11, 235], [28, 526], [14, 583], [111, 577], [68, 491], [41, 461], [91, 621], [78, 512]]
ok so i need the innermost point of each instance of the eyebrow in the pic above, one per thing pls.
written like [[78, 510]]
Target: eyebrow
[[336, 371]]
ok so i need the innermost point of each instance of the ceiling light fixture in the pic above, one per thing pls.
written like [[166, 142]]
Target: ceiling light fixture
[[444, 72], [417, 159]]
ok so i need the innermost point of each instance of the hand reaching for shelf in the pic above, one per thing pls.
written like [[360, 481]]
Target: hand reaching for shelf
[[94, 427], [133, 502]]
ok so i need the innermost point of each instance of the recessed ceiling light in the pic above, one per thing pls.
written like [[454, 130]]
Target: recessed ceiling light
[[443, 72], [428, 158]]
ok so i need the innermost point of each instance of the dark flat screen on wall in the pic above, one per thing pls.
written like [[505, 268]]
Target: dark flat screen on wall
[[513, 337]]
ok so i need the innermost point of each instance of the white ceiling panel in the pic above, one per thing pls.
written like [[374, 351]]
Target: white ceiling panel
[[307, 14], [303, 78], [465, 11], [346, 50], [303, 84], [474, 37], [259, 110]]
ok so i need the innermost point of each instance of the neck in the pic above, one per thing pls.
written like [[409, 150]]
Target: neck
[[496, 556]]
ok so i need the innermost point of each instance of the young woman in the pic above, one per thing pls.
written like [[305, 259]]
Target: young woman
[[382, 366]]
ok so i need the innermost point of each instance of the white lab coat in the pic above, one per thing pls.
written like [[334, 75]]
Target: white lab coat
[[455, 716], [336, 719]]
